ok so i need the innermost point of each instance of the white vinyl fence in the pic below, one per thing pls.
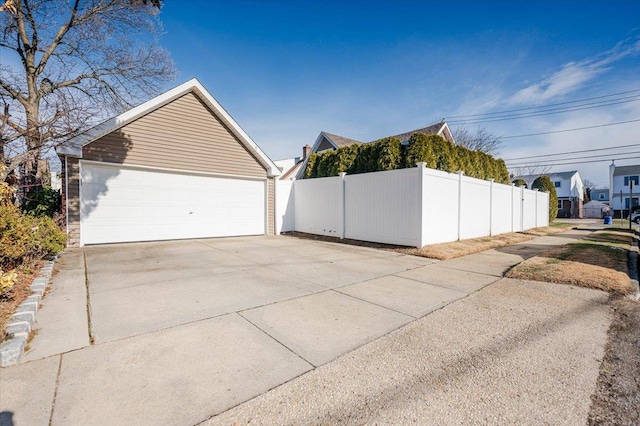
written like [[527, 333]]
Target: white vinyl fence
[[411, 207]]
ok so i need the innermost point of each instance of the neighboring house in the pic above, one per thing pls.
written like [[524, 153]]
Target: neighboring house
[[177, 166], [595, 209], [326, 141], [620, 196], [290, 166], [600, 194], [570, 190]]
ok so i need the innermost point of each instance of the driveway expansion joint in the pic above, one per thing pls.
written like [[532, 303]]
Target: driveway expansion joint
[[21, 323]]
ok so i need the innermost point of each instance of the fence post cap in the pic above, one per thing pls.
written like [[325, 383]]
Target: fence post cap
[[421, 165]]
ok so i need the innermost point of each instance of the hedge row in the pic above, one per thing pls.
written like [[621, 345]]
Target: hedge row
[[391, 154]]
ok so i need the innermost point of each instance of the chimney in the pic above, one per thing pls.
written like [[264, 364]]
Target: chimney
[[306, 150]]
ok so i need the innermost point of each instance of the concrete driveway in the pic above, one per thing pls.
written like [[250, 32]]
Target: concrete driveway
[[176, 332]]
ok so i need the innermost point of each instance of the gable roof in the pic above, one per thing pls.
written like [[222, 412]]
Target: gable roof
[[434, 129], [339, 141], [626, 170], [73, 147]]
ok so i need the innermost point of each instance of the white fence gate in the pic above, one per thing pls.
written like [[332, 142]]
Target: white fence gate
[[411, 207]]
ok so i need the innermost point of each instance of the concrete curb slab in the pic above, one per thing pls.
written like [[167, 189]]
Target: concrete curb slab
[[21, 322]]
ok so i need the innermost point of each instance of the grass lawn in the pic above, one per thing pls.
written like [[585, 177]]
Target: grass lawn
[[598, 261], [455, 249]]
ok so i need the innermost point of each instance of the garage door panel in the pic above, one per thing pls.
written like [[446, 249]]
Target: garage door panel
[[123, 205]]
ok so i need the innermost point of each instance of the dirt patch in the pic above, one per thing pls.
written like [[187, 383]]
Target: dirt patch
[[598, 261], [617, 396], [10, 300], [454, 249], [446, 251]]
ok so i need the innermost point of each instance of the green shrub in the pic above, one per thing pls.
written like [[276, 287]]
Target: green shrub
[[42, 202], [419, 150], [543, 183], [25, 238], [390, 154], [519, 182]]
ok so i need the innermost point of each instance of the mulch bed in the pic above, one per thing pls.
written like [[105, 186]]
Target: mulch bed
[[10, 300]]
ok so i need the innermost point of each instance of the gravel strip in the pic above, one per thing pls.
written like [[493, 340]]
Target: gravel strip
[[516, 352]]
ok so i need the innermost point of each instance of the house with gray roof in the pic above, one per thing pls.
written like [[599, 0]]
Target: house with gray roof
[[327, 141], [569, 187], [624, 187]]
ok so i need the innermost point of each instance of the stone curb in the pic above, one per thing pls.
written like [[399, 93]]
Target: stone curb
[[22, 321]]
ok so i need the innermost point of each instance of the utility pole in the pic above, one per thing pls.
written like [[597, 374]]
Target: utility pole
[[630, 201]]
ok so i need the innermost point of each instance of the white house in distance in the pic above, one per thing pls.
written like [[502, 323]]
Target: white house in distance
[[620, 195], [570, 189]]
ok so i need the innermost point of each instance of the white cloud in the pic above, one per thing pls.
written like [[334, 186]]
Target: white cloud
[[573, 75]]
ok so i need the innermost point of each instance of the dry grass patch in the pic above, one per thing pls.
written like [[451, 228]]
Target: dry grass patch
[[598, 261], [446, 251]]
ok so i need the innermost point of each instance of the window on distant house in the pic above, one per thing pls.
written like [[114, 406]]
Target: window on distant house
[[601, 196], [559, 204], [634, 201], [556, 184], [634, 179]]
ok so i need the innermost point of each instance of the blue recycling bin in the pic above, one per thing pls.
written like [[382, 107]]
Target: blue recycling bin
[[607, 220]]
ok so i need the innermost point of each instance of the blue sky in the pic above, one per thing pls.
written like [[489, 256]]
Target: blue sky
[[286, 70]]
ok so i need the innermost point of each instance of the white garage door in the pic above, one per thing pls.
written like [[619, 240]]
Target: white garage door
[[122, 204]]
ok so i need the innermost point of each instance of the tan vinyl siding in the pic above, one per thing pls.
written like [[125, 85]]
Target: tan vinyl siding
[[73, 201], [271, 215], [182, 135]]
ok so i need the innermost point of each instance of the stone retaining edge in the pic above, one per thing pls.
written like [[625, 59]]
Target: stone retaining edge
[[22, 321]]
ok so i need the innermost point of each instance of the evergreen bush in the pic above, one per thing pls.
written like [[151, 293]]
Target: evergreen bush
[[543, 183]]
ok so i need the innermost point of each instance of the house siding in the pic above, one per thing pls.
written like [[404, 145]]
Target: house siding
[[271, 216], [71, 189], [182, 135]]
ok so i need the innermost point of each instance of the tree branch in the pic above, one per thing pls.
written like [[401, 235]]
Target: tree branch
[[62, 31]]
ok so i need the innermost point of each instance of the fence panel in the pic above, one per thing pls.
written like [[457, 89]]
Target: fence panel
[[285, 208], [318, 206], [528, 209], [383, 207], [440, 212], [475, 208], [517, 208], [501, 216], [543, 209], [412, 207]]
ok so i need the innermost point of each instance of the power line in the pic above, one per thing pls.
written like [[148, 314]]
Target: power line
[[550, 161], [573, 152], [543, 113], [570, 130], [546, 106], [574, 162]]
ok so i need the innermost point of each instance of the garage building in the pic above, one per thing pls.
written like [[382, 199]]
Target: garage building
[[175, 167]]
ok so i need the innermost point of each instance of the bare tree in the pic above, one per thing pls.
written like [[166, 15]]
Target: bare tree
[[66, 64], [482, 140], [532, 170]]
